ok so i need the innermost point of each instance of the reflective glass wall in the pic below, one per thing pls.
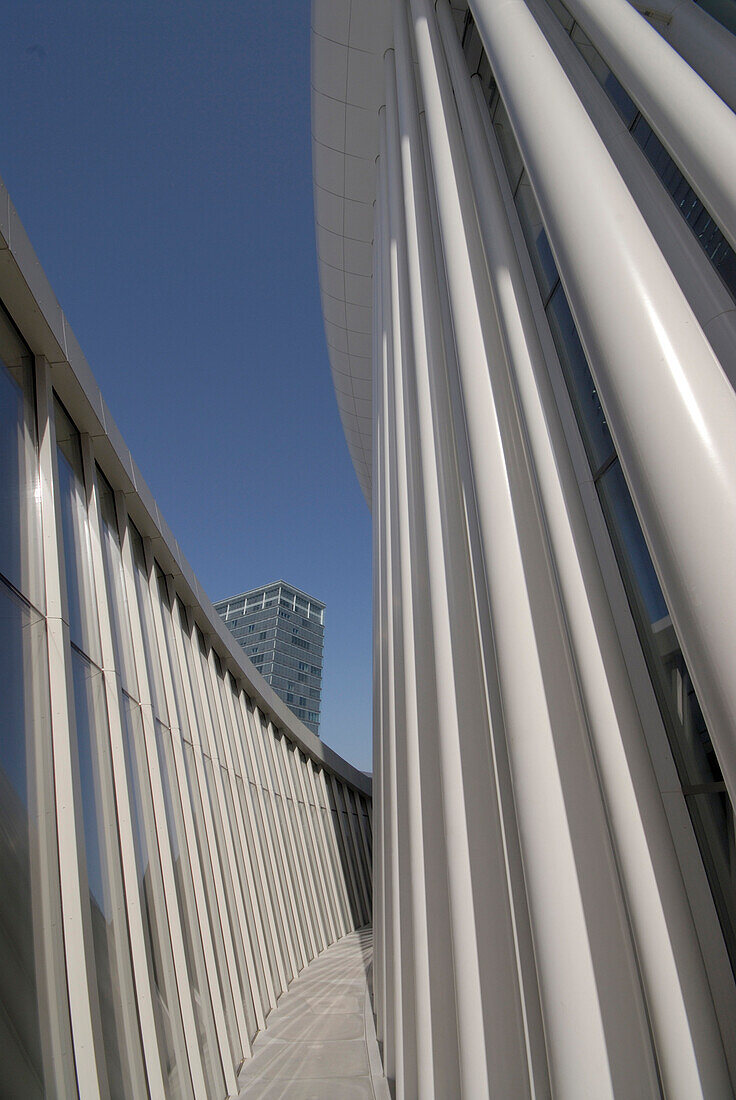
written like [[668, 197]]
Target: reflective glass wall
[[194, 855]]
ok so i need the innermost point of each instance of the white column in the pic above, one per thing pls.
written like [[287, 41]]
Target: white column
[[684, 1026], [63, 729], [691, 120], [326, 853], [230, 736], [711, 301], [379, 685], [166, 908], [198, 882], [259, 842], [704, 43], [585, 957], [197, 705], [267, 838], [670, 408], [395, 932], [260, 744], [139, 1011], [491, 1047]]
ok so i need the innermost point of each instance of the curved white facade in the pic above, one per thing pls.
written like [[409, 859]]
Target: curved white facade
[[175, 846], [553, 488]]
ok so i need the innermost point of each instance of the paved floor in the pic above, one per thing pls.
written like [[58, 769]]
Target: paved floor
[[320, 1042]]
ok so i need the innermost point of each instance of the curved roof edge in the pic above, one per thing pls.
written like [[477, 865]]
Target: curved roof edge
[[28, 297], [349, 39]]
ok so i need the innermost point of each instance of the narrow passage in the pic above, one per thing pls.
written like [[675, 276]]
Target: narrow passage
[[320, 1041]]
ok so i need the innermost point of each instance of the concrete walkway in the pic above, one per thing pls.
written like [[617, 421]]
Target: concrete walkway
[[320, 1042]]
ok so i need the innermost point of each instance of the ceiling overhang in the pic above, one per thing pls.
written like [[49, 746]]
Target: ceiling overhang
[[349, 39]]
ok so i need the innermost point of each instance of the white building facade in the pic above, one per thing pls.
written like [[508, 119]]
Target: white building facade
[[175, 846], [526, 221]]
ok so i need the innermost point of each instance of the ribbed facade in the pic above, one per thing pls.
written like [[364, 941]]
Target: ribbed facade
[[175, 847], [553, 479]]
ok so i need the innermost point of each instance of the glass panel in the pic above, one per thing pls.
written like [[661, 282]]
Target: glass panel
[[709, 236], [562, 14], [251, 842], [185, 897], [171, 655], [250, 917], [367, 832], [696, 762], [536, 237], [216, 745], [589, 411], [158, 943], [260, 825], [201, 704], [302, 915], [722, 10], [624, 522], [714, 822], [348, 795], [311, 854], [507, 143], [116, 594], [287, 924], [211, 899], [21, 559], [209, 771], [153, 660], [222, 684], [83, 626], [115, 1001], [188, 674], [33, 996], [616, 93]]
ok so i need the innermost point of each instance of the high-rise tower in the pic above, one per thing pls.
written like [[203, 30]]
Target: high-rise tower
[[282, 631]]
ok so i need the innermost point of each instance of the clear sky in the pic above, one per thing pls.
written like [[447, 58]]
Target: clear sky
[[159, 157]]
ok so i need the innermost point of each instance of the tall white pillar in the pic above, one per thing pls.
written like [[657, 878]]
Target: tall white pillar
[[670, 408], [691, 120], [685, 1031]]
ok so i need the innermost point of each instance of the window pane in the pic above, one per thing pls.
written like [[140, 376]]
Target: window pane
[[616, 93], [172, 657], [116, 1005], [715, 825], [259, 885], [507, 143], [709, 236], [588, 409], [692, 750], [158, 945], [20, 500], [33, 994], [77, 554], [153, 660], [536, 237], [185, 898], [117, 598], [230, 887], [629, 540], [211, 899]]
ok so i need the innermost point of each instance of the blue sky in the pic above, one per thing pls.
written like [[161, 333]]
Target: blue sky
[[159, 157]]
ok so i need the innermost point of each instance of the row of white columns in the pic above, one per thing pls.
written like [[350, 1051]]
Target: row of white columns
[[533, 932], [276, 867]]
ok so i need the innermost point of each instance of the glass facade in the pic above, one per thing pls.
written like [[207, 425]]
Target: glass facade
[[700, 777], [191, 894], [282, 631], [35, 1038]]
